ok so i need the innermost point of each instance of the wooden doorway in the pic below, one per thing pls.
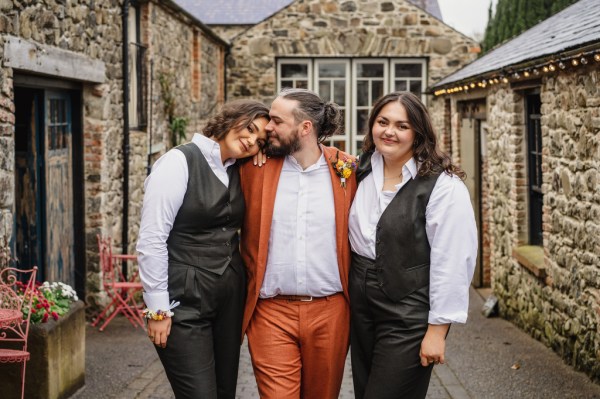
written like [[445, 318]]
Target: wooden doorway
[[472, 145], [48, 218]]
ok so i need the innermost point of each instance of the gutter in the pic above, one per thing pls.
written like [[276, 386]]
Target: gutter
[[125, 149]]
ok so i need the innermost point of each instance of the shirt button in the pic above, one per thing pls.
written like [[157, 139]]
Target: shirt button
[[228, 243], [224, 229]]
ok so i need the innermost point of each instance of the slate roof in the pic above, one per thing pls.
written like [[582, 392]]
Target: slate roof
[[572, 28], [250, 12]]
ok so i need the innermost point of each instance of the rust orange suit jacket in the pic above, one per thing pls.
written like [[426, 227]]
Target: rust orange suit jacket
[[259, 186]]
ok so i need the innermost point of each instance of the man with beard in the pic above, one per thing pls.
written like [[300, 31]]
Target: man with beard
[[296, 251]]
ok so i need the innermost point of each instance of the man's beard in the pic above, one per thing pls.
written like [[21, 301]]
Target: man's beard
[[285, 147]]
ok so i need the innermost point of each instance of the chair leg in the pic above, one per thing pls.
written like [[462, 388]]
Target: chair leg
[[126, 310], [23, 379], [103, 313]]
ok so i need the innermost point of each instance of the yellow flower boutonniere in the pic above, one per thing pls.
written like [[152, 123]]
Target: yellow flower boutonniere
[[343, 168]]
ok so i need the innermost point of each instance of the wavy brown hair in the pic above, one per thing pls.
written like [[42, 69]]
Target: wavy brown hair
[[425, 149], [234, 115]]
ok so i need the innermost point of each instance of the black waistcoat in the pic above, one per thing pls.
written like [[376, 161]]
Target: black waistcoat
[[205, 230], [401, 245]]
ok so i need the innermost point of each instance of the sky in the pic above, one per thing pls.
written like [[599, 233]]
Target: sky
[[466, 16]]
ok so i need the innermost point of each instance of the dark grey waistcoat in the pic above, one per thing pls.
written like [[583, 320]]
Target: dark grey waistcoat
[[205, 231], [401, 245]]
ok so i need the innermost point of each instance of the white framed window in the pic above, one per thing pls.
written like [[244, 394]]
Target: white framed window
[[408, 74], [331, 83], [295, 73], [354, 84]]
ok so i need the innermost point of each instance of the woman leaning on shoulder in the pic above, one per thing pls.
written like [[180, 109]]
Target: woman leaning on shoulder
[[414, 243], [189, 253]]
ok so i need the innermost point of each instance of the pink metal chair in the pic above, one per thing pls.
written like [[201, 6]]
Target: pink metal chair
[[14, 328], [120, 290]]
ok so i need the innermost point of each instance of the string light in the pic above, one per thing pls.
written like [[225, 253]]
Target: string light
[[547, 67]]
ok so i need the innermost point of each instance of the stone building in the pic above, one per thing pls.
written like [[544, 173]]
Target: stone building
[[350, 52], [525, 119], [74, 145]]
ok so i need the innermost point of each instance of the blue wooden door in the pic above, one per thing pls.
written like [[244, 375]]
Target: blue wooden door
[[58, 189]]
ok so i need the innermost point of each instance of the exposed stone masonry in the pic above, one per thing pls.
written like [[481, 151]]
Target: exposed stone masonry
[[93, 28], [562, 310], [315, 28]]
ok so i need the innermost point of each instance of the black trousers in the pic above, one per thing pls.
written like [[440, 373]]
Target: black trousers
[[385, 338], [203, 350]]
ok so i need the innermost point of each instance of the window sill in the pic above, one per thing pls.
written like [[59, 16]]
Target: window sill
[[531, 257]]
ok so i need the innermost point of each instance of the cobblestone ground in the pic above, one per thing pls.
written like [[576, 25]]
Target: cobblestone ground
[[153, 384]]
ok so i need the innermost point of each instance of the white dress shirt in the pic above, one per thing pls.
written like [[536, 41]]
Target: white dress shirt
[[451, 231], [302, 254], [165, 189]]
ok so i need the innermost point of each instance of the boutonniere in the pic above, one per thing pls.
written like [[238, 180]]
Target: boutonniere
[[343, 168]]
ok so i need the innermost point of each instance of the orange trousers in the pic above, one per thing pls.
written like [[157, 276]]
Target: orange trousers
[[298, 348]]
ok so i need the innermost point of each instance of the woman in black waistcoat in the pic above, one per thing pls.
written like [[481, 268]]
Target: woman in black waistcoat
[[414, 243], [193, 276]]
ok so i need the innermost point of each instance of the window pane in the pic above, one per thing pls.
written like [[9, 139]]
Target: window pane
[[332, 70], [339, 92], [376, 90], [362, 116], [359, 144], [302, 84], [362, 93], [415, 87], [325, 90], [294, 71], [400, 85], [369, 70], [287, 83], [340, 145], [408, 70]]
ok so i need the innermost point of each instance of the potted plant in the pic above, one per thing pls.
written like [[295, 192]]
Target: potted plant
[[56, 343]]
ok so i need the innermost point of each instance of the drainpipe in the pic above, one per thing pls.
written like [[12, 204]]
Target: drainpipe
[[125, 65]]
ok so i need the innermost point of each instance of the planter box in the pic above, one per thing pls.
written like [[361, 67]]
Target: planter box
[[56, 368]]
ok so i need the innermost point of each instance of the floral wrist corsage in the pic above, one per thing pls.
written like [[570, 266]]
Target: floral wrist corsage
[[159, 314], [343, 168]]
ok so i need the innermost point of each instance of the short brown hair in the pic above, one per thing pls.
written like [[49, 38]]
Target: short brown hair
[[234, 115]]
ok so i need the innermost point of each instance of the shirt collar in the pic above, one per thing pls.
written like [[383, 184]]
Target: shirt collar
[[409, 170], [211, 150]]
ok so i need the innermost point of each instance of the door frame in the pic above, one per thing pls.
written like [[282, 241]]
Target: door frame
[[75, 92]]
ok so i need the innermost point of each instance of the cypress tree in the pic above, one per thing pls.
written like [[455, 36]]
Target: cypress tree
[[512, 17]]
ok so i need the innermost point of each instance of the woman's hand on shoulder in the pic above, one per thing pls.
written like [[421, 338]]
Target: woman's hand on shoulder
[[158, 331], [259, 159]]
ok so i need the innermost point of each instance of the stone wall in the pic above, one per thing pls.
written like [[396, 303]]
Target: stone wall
[[93, 29], [316, 28], [563, 309]]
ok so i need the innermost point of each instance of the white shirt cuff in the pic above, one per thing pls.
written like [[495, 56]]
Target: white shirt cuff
[[458, 317], [157, 300]]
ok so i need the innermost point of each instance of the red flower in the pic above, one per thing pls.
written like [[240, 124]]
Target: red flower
[[55, 315], [38, 306], [45, 318]]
